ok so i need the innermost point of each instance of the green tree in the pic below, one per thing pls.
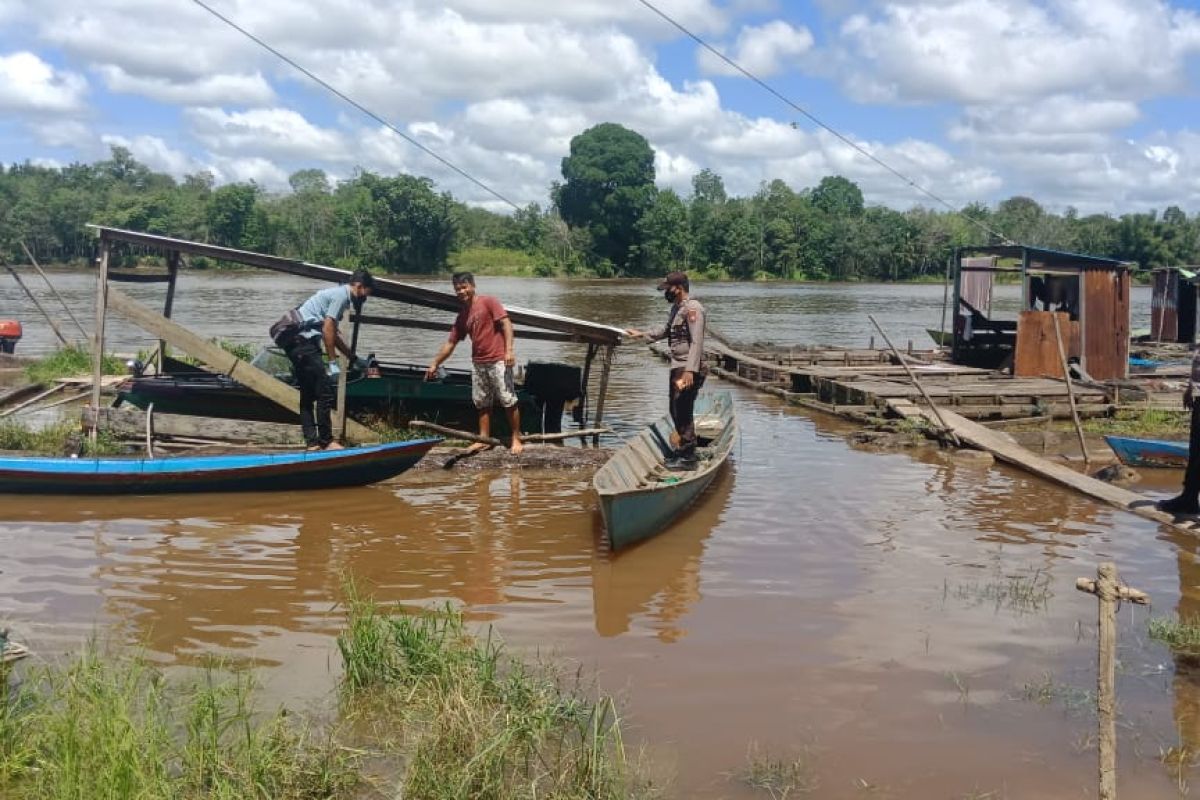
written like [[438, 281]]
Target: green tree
[[608, 185]]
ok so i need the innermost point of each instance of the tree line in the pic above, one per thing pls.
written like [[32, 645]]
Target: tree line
[[606, 217]]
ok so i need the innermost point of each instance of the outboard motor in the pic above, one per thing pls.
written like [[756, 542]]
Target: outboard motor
[[10, 334], [553, 384]]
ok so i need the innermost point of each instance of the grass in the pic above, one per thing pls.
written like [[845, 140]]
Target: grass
[[68, 362], [1025, 594], [1181, 635], [479, 723], [1047, 690], [500, 261], [103, 726], [246, 352], [63, 438], [1149, 422], [780, 778]]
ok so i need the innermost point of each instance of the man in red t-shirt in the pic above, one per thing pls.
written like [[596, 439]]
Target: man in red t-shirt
[[486, 323]]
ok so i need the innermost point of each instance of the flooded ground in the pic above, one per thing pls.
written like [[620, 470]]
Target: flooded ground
[[906, 623]]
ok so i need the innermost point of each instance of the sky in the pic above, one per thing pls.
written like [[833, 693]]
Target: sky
[[1085, 104]]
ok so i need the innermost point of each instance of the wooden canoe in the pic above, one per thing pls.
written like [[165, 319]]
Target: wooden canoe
[[1134, 452], [638, 496], [258, 472]]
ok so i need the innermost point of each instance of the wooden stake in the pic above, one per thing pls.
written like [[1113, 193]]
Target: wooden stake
[[1110, 593], [604, 370], [53, 291], [38, 305], [1062, 356], [101, 314]]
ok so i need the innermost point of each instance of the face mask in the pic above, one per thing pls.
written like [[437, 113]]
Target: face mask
[[671, 294]]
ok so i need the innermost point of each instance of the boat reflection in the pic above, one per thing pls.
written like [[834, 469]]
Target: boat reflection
[[658, 579]]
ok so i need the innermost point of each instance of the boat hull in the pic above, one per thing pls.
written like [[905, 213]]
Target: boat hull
[[320, 469], [638, 498], [1134, 452]]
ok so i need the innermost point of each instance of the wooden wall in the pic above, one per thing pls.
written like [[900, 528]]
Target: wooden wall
[[1104, 320], [1037, 344]]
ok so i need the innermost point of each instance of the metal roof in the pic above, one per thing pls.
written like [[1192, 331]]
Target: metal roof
[[1046, 257], [387, 288]]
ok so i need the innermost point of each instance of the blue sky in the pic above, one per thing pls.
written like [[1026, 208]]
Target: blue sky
[[1084, 103]]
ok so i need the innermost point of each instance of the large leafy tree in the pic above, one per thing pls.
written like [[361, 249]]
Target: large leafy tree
[[608, 186]]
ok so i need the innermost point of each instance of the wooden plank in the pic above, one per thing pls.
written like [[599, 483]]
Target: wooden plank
[[139, 277], [131, 422], [1006, 450], [1037, 348], [219, 359], [1105, 321], [444, 327]]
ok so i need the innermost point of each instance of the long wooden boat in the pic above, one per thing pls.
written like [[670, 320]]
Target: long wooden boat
[[639, 497], [259, 472], [1134, 452], [395, 393]]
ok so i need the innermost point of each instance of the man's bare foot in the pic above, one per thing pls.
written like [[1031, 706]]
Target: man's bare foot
[[335, 446], [516, 446]]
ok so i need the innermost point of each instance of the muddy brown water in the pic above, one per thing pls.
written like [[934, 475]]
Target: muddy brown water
[[886, 616]]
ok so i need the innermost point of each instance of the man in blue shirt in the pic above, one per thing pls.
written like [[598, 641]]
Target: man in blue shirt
[[319, 330]]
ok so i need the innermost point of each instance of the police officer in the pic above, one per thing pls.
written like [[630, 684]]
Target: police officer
[[1188, 501], [684, 333]]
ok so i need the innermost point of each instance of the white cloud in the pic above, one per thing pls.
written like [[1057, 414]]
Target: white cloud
[[155, 153], [211, 90], [1004, 51], [260, 170], [65, 133], [764, 50], [30, 85], [270, 132]]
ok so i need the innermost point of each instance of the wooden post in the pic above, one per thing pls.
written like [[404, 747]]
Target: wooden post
[[38, 305], [101, 314], [1107, 589], [912, 376], [1062, 356], [587, 373], [604, 370], [339, 418], [945, 298], [54, 291], [173, 259]]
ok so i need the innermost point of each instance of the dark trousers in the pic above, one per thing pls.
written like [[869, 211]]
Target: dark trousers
[[308, 368], [682, 404], [1191, 476]]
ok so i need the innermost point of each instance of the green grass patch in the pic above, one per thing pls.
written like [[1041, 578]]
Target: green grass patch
[[70, 362], [246, 352], [63, 438], [1025, 594], [780, 778], [1149, 422], [480, 723], [1182, 635], [500, 261], [103, 726]]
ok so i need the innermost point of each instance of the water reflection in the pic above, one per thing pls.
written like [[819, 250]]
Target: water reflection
[[660, 578]]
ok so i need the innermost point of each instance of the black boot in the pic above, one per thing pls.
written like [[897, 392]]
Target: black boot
[[1185, 503], [683, 461]]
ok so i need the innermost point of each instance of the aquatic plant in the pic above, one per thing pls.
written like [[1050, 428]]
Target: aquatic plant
[[781, 778], [1147, 421], [71, 361], [63, 438], [1181, 635]]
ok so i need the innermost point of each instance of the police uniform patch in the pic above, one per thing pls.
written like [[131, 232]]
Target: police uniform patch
[[692, 315]]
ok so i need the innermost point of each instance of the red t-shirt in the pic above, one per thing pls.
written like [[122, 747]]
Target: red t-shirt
[[481, 322]]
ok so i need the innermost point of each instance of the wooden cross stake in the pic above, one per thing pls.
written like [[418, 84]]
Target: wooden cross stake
[[1110, 593]]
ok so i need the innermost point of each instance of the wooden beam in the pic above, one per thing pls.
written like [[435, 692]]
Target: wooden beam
[[54, 291], [444, 327], [130, 423], [139, 277], [604, 370], [98, 331], [38, 305], [221, 360]]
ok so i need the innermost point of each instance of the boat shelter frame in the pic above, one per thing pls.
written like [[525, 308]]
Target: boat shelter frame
[[600, 339], [1089, 294]]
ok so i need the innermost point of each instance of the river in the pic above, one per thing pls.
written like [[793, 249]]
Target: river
[[907, 623]]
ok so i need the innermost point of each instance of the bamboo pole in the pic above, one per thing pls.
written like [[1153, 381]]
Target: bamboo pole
[[101, 315], [38, 305], [1062, 356], [467, 436], [912, 376], [40, 396], [1109, 592], [54, 291]]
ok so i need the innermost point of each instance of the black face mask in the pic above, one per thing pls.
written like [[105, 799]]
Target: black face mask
[[671, 294]]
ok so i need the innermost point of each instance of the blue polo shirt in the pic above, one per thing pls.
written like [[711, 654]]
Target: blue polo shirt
[[331, 302]]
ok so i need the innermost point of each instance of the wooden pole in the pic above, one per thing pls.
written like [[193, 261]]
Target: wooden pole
[[945, 300], [1062, 356], [38, 305], [101, 314], [912, 376], [1107, 589], [468, 436], [604, 370], [54, 291], [339, 418], [173, 260], [587, 372]]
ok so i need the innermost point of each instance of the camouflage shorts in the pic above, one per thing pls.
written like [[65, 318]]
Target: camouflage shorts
[[492, 384]]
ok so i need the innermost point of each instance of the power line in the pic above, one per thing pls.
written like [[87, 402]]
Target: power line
[[813, 118], [356, 104]]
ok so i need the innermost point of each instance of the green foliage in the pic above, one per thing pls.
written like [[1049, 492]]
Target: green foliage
[[70, 362], [63, 438], [1181, 635], [1148, 422], [105, 726], [609, 185], [484, 725]]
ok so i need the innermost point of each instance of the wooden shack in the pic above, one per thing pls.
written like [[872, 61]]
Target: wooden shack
[[1173, 306], [1089, 295]]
